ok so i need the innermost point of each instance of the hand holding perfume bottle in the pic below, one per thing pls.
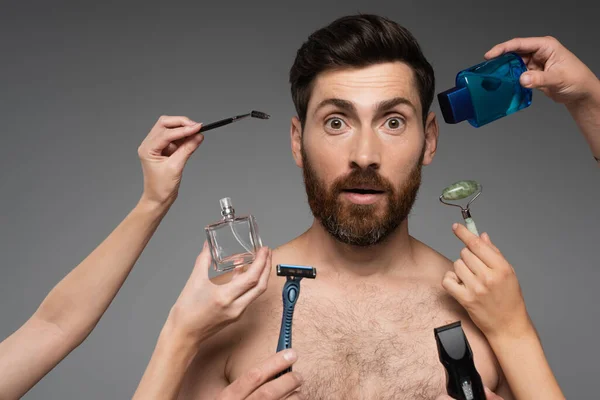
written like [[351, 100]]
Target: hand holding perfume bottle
[[202, 309]]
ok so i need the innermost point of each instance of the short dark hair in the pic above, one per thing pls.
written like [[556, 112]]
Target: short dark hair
[[358, 41]]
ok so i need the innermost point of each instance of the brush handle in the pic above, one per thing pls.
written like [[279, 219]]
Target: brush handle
[[214, 125], [291, 291]]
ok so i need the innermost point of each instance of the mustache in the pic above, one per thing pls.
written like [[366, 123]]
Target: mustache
[[367, 177]]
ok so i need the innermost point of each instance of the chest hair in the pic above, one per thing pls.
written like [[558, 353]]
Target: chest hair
[[369, 344]]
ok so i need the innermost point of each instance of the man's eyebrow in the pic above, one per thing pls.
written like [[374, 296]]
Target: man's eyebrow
[[380, 107], [391, 103], [339, 103]]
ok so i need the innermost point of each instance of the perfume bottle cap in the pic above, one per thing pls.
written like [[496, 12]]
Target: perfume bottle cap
[[225, 203], [226, 207], [456, 105]]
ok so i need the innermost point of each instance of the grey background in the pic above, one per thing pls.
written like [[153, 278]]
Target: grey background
[[83, 82]]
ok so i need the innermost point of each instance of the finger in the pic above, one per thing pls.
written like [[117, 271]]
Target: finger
[[467, 277], [170, 149], [245, 299], [249, 279], [202, 265], [295, 396], [259, 375], [487, 239], [278, 388], [518, 45], [472, 262], [162, 139], [237, 272], [540, 80], [187, 148], [489, 395], [452, 284], [168, 121], [478, 246]]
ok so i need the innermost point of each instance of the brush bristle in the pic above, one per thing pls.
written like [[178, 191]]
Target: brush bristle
[[259, 114]]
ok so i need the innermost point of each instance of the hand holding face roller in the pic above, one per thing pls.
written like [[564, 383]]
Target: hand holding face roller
[[461, 190]]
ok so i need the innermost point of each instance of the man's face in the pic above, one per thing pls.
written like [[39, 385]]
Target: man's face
[[362, 150]]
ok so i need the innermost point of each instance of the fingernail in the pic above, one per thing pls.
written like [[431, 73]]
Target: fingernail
[[290, 355], [526, 79], [205, 245], [454, 226]]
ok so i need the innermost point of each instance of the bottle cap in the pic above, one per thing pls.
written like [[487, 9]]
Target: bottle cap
[[456, 105], [225, 203]]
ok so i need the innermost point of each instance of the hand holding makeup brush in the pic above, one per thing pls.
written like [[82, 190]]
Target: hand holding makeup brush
[[486, 285], [164, 153]]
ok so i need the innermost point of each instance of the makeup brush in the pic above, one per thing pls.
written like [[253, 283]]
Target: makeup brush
[[253, 114]]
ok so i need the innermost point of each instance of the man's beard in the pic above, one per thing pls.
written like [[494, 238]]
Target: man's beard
[[360, 224]]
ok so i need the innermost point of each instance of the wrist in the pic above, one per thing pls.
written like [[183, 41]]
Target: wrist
[[521, 329], [154, 206], [589, 98], [179, 347]]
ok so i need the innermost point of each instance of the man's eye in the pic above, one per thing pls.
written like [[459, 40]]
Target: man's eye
[[394, 123], [334, 123]]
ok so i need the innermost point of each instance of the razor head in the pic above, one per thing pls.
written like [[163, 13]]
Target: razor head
[[259, 114], [298, 271]]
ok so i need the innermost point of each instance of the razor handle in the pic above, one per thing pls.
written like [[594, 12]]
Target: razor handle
[[291, 291], [463, 382]]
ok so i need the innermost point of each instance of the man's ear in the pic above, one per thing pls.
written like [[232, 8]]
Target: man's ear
[[296, 139], [431, 138]]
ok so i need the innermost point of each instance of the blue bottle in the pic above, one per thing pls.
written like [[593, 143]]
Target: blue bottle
[[486, 92]]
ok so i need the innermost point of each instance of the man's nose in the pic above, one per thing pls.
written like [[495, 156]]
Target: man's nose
[[366, 150]]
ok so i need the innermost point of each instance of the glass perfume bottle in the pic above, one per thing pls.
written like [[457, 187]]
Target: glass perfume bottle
[[234, 240], [486, 92]]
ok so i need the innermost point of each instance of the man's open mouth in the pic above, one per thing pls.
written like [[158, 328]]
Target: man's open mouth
[[364, 191]]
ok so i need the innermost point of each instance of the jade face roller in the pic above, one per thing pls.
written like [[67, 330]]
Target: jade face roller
[[461, 190]]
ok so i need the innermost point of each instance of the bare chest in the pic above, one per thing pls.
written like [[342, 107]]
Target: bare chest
[[362, 344]]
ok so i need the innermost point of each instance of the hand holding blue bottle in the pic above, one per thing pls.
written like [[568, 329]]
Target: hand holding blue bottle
[[561, 76], [552, 68]]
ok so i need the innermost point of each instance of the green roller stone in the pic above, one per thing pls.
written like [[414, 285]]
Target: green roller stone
[[460, 190]]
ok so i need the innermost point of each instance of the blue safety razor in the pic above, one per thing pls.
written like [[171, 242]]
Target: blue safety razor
[[291, 291]]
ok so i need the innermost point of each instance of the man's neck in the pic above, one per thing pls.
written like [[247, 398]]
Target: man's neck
[[384, 258]]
